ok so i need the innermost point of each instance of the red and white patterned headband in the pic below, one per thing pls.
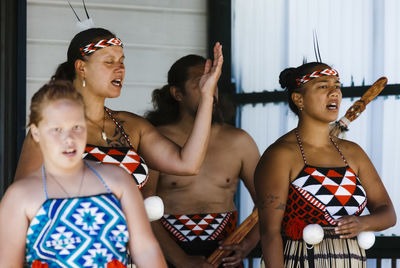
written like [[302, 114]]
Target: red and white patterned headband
[[93, 47], [308, 77]]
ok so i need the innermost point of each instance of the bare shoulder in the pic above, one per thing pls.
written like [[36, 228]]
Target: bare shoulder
[[27, 193], [283, 149], [283, 153], [354, 154], [134, 125], [234, 136], [277, 163], [31, 184], [234, 132], [129, 119], [346, 144], [349, 148]]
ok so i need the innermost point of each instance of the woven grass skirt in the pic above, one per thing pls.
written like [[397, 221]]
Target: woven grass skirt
[[331, 252]]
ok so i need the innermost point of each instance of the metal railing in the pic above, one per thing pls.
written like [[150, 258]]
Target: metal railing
[[385, 247]]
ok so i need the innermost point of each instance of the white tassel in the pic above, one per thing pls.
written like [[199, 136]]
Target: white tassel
[[313, 234], [366, 239], [154, 207], [85, 24]]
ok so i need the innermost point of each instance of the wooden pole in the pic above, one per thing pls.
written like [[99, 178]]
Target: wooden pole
[[234, 238]]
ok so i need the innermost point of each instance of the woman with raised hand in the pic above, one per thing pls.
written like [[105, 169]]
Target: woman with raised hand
[[309, 177], [95, 66], [71, 212]]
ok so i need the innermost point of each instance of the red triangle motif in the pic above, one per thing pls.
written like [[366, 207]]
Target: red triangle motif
[[309, 170], [203, 226], [130, 166], [135, 157], [332, 173], [331, 188], [343, 198], [114, 152], [184, 221], [197, 232], [208, 220], [99, 156], [89, 149], [352, 178], [350, 170], [319, 178], [350, 188]]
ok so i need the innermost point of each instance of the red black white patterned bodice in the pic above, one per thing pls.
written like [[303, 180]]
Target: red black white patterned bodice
[[322, 195], [125, 157]]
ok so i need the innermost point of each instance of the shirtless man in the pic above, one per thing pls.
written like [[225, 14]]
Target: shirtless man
[[199, 210]]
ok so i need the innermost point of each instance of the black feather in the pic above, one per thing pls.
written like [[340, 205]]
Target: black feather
[[84, 6], [316, 47], [73, 10]]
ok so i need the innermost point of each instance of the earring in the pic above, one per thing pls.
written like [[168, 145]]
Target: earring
[[301, 109], [83, 83]]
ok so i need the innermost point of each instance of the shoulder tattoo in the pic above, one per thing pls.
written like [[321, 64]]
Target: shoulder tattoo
[[269, 201], [117, 139]]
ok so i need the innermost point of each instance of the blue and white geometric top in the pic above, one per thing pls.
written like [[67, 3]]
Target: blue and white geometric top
[[88, 231]]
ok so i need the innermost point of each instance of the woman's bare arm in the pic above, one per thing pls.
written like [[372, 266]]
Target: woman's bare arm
[[271, 183], [162, 154], [13, 227], [143, 245], [378, 201], [30, 158]]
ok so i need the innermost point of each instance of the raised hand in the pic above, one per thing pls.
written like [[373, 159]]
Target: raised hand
[[212, 72]]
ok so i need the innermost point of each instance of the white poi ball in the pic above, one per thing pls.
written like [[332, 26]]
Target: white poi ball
[[154, 207], [313, 234], [366, 239]]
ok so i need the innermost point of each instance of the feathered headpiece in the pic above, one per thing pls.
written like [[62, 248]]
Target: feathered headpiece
[[83, 24]]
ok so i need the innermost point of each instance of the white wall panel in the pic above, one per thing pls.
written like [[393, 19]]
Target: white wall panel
[[155, 34], [43, 58]]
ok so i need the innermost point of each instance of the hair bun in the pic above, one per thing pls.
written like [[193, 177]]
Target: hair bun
[[287, 78], [65, 71]]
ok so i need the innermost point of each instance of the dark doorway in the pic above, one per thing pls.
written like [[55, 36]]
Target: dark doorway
[[12, 86]]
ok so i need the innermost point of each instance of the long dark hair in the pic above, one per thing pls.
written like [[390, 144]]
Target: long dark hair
[[66, 70], [287, 79], [166, 108]]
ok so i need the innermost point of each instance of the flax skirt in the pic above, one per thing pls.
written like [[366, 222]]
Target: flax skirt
[[331, 252]]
